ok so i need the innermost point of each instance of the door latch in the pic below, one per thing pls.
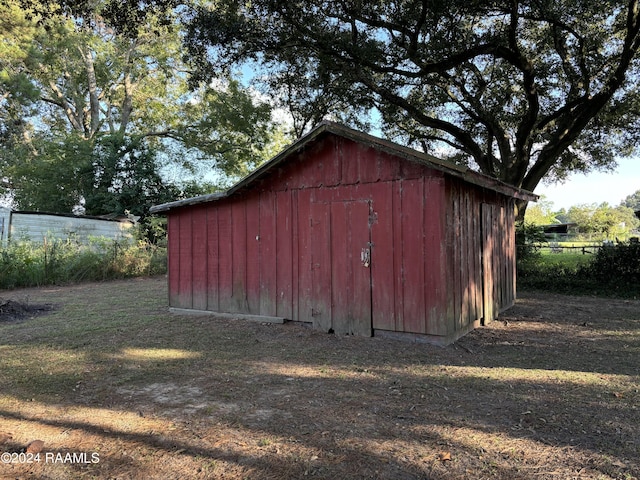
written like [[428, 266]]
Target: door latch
[[365, 257]]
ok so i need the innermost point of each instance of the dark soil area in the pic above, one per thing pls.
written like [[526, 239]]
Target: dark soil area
[[14, 310]]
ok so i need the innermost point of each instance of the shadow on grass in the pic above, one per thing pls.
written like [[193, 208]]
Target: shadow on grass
[[371, 407]]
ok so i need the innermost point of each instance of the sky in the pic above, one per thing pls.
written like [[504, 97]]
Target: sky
[[595, 187]]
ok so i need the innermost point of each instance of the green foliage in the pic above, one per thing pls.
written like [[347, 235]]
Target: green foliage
[[102, 119], [123, 176], [540, 213], [603, 221], [632, 201], [612, 271], [618, 265], [25, 263], [522, 90], [528, 238]]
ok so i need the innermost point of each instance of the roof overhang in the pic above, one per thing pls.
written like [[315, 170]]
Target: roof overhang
[[380, 144]]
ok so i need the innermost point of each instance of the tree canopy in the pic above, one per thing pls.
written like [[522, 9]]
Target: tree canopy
[[522, 90], [633, 201], [94, 116]]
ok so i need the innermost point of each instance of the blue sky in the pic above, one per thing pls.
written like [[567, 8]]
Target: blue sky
[[595, 187]]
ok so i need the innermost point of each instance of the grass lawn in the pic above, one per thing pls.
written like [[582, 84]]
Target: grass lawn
[[118, 388], [566, 259]]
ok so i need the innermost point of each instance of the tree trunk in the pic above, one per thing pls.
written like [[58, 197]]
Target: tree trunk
[[94, 100]]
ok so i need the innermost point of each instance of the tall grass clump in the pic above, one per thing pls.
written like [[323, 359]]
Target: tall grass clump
[[24, 263]]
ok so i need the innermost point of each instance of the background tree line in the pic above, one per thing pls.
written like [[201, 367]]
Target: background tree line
[[597, 222]]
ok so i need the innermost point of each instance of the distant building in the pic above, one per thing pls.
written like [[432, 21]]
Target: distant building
[[36, 226], [559, 230]]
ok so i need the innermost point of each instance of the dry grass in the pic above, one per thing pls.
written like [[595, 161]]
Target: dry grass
[[549, 392]]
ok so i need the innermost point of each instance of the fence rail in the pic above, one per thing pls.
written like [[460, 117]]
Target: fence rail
[[584, 249]]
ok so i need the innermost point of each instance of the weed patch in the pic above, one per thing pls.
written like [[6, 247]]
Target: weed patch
[[26, 263]]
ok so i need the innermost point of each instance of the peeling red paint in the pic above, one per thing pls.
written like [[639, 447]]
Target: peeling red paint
[[441, 250]]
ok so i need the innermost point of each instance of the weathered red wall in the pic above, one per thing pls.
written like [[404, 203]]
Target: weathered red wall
[[290, 246]]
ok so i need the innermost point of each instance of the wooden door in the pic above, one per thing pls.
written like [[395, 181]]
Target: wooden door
[[341, 274]]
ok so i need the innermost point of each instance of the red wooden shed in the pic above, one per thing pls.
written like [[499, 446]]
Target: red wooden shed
[[352, 234]]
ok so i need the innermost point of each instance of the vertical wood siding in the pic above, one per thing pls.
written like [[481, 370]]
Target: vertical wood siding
[[292, 246]]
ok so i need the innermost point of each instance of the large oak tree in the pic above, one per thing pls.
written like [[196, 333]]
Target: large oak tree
[[522, 90]]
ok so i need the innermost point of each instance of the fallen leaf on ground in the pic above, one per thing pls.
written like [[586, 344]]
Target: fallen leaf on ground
[[35, 446], [444, 456]]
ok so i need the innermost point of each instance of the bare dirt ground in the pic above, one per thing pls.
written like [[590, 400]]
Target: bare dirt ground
[[117, 388]]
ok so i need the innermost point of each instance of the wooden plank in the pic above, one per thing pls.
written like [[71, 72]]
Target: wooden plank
[[253, 253], [367, 166], [295, 257], [304, 278], [239, 302], [348, 154], [213, 254], [326, 166], [413, 255], [474, 245], [284, 255], [185, 272], [435, 287], [488, 267], [388, 167], [268, 236], [173, 248], [350, 278], [456, 289], [449, 258], [225, 257], [497, 259], [383, 269], [463, 265], [341, 270], [398, 255], [321, 311], [359, 241], [512, 249], [199, 257]]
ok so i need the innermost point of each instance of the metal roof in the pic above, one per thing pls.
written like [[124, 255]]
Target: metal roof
[[327, 127]]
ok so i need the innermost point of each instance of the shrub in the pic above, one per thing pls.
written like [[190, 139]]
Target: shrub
[[24, 263], [528, 239], [612, 271], [617, 266]]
